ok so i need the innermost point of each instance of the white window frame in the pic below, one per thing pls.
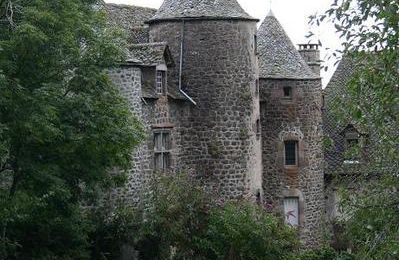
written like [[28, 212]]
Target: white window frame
[[160, 82], [288, 212]]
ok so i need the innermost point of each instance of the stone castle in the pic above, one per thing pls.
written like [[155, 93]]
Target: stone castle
[[221, 99]]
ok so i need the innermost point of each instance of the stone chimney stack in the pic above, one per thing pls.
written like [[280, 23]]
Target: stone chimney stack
[[311, 54]]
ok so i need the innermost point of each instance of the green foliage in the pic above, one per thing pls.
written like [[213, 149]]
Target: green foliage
[[174, 215], [112, 230], [324, 253], [63, 125], [370, 29], [183, 221], [245, 231]]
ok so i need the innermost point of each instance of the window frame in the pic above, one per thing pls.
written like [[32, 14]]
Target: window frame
[[165, 151], [296, 153], [290, 92], [298, 217], [160, 82]]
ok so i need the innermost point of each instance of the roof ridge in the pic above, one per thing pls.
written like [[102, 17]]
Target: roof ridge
[[131, 6], [200, 9]]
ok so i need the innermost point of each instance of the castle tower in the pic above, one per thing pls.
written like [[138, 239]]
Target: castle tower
[[290, 104], [213, 43]]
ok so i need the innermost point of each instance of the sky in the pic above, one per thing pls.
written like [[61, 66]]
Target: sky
[[292, 14]]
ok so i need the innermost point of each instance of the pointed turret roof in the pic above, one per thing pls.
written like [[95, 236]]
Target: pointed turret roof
[[196, 9], [278, 57]]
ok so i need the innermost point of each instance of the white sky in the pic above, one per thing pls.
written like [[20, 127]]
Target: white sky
[[292, 14]]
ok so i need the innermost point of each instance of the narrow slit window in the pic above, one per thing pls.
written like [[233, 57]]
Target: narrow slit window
[[257, 87], [256, 44], [291, 153]]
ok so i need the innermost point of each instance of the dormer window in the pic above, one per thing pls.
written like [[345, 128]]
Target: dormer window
[[352, 152], [161, 82], [287, 92]]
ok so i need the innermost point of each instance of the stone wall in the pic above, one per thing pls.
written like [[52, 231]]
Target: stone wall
[[294, 118], [217, 137]]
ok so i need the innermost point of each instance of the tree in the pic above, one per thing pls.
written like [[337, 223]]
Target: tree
[[63, 124], [177, 224], [370, 29]]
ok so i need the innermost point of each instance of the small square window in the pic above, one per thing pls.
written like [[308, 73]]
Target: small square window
[[291, 153], [287, 92]]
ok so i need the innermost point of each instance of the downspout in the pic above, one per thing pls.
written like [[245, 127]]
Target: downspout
[[181, 64]]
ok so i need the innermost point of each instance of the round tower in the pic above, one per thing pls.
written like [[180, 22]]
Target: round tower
[[213, 43], [290, 104]]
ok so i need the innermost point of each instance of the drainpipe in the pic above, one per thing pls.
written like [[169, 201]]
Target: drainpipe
[[181, 64]]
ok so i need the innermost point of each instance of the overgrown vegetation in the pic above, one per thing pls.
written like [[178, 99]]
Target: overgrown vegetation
[[370, 29], [183, 220], [63, 125]]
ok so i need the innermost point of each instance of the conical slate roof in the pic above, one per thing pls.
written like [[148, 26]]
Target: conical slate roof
[[278, 57], [216, 9]]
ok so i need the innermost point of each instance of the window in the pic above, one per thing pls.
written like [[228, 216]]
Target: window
[[351, 150], [258, 130], [162, 147], [257, 87], [287, 92], [291, 211], [256, 44], [291, 153], [161, 82], [352, 153]]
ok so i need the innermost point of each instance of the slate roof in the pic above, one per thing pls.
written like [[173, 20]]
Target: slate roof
[[149, 54], [278, 57], [337, 88], [216, 9], [131, 19]]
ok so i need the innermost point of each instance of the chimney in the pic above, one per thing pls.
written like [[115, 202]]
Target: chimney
[[311, 54]]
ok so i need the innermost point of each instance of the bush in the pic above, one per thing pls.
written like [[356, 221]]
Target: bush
[[181, 220], [242, 230]]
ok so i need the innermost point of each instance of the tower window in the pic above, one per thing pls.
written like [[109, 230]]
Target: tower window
[[162, 149], [161, 82], [287, 92], [256, 44], [291, 153], [257, 86], [291, 211], [258, 130]]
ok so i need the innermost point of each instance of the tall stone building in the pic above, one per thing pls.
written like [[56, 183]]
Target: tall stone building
[[221, 100], [290, 108]]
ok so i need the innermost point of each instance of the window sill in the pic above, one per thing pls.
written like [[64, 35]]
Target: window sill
[[291, 168]]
